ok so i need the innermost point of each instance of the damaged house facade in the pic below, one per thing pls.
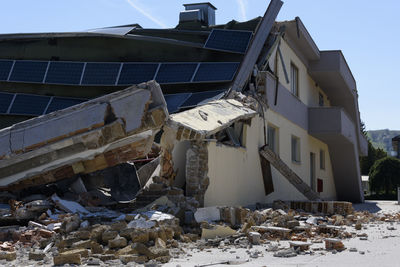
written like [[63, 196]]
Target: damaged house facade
[[240, 113]]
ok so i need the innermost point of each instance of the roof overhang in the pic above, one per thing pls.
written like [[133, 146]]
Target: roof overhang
[[300, 39]]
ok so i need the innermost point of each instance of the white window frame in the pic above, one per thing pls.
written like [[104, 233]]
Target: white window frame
[[273, 140], [322, 159], [295, 149], [294, 79]]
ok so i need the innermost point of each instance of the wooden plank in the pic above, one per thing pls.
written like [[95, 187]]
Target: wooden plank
[[290, 175], [267, 176]]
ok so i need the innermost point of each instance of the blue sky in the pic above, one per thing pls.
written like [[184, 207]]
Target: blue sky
[[366, 31]]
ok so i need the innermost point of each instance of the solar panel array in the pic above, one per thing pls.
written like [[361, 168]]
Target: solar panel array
[[29, 71], [111, 74], [58, 103], [101, 73], [34, 105], [175, 101], [65, 72], [176, 72], [229, 40], [5, 68], [5, 101], [216, 72], [134, 73]]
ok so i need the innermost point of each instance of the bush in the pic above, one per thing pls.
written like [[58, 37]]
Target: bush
[[384, 175]]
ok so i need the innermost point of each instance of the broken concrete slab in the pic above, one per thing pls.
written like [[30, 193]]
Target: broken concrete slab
[[100, 133], [203, 121], [69, 206], [208, 214], [217, 231], [300, 245]]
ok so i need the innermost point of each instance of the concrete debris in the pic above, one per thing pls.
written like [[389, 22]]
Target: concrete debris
[[74, 195], [101, 133], [69, 206], [209, 214], [217, 231]]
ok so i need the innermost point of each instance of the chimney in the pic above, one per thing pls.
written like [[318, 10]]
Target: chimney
[[203, 12]]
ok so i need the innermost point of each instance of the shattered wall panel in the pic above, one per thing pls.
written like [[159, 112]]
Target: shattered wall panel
[[84, 138]]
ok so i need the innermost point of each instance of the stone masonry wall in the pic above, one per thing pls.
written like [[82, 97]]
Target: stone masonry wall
[[197, 180]]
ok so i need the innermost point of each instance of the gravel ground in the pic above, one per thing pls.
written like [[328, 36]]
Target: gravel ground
[[381, 249]]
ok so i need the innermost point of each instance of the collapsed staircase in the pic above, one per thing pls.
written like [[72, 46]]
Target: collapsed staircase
[[290, 175]]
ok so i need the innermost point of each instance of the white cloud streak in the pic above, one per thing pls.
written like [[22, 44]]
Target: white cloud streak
[[146, 14], [242, 8]]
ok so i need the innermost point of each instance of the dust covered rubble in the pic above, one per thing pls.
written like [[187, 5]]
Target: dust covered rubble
[[65, 232]]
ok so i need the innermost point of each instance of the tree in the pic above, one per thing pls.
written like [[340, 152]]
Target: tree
[[385, 175], [374, 154]]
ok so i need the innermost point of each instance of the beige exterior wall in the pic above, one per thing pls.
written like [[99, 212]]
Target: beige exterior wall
[[235, 174], [308, 90], [283, 189]]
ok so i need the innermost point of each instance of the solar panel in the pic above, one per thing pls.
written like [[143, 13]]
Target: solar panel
[[64, 72], [176, 72], [5, 67], [134, 73], [209, 72], [59, 103], [199, 97], [101, 73], [229, 40], [29, 104], [5, 101], [28, 71], [175, 101]]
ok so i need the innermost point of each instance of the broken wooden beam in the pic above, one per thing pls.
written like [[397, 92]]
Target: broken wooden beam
[[290, 175]]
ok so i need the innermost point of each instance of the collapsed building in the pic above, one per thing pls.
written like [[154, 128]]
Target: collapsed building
[[240, 113]]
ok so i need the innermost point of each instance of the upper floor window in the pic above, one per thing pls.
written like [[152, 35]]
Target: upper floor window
[[273, 138], [295, 149], [294, 78], [320, 99], [322, 159]]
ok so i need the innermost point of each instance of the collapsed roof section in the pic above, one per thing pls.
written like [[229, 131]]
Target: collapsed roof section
[[101, 133]]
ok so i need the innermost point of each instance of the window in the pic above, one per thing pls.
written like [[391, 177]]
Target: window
[[295, 149], [273, 138], [322, 159], [320, 185], [321, 100], [294, 78]]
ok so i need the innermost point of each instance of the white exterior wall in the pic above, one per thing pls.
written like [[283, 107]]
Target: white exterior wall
[[235, 174], [283, 189], [308, 91]]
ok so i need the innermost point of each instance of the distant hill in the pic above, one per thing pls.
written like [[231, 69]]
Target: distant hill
[[382, 138]]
